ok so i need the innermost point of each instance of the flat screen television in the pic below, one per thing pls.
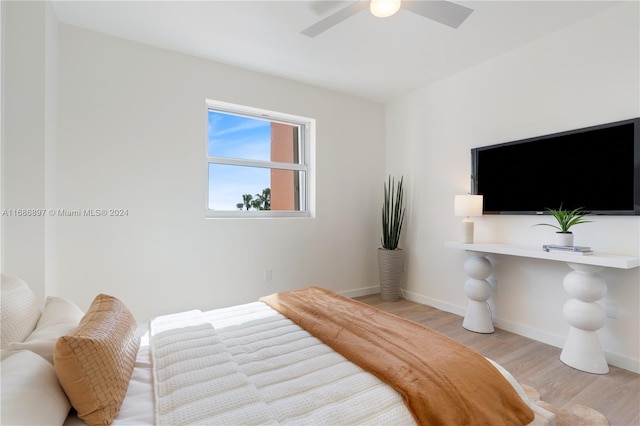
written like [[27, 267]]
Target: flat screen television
[[595, 168]]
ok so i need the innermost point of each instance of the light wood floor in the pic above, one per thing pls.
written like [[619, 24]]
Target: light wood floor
[[616, 394]]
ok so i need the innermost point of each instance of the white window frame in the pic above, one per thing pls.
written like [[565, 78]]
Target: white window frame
[[307, 146]]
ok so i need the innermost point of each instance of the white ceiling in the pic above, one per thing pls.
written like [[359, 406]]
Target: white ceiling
[[372, 58]]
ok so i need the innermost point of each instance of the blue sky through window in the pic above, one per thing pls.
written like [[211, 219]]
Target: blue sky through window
[[237, 137]]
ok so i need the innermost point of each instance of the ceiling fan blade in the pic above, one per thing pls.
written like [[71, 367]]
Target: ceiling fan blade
[[336, 18], [445, 12]]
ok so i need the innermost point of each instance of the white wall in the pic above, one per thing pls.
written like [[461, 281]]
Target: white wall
[[29, 54], [581, 76], [132, 125]]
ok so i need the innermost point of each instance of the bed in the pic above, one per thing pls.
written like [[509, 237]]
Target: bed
[[280, 360]]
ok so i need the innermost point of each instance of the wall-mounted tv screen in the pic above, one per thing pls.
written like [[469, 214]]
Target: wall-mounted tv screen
[[595, 168]]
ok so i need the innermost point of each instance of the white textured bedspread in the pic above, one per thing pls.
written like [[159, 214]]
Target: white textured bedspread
[[251, 365], [297, 379]]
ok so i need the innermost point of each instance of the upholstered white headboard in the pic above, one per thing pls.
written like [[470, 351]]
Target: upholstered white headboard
[[19, 311], [28, 337]]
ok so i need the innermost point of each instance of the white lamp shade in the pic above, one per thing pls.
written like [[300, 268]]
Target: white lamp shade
[[384, 8], [468, 205]]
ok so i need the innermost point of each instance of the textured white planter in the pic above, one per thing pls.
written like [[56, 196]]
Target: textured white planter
[[564, 239], [390, 265]]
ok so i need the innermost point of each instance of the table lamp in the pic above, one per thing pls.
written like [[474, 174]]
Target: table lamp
[[468, 206]]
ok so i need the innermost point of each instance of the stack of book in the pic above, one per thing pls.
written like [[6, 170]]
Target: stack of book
[[579, 250]]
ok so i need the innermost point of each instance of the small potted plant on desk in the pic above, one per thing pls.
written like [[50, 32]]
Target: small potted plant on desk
[[566, 219]]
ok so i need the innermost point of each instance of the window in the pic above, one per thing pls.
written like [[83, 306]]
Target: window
[[258, 162]]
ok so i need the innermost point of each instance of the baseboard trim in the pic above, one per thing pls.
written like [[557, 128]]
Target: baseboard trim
[[439, 304], [364, 291], [623, 361]]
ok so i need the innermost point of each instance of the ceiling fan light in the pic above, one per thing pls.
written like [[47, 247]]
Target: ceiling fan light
[[384, 8]]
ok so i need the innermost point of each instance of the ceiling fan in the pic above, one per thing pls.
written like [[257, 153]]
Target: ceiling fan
[[442, 11]]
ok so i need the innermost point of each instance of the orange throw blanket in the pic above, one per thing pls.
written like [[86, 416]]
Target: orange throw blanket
[[441, 381]]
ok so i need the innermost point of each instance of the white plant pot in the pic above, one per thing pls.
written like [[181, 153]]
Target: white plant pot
[[564, 238], [390, 266]]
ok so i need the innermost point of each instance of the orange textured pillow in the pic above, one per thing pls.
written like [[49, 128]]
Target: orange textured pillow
[[94, 363]]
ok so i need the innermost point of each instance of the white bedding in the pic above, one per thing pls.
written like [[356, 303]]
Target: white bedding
[[294, 378]]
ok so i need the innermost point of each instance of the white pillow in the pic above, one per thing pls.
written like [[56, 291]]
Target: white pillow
[[19, 311], [31, 394], [59, 318]]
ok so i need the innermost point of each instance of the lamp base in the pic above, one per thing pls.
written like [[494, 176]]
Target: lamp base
[[467, 231]]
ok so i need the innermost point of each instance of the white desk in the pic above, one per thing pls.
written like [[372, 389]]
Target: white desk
[[582, 349]]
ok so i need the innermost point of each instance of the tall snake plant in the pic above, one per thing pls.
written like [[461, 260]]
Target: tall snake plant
[[392, 214]]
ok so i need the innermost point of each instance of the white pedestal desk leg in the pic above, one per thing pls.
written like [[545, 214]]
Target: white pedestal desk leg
[[478, 290], [582, 349]]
